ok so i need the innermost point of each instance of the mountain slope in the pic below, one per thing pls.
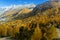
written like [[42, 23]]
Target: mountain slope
[[14, 11], [24, 13], [39, 8]]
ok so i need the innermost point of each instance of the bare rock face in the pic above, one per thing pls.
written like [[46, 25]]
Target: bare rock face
[[42, 7]]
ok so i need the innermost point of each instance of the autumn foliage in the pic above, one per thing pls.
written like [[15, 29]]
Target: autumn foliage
[[39, 27]]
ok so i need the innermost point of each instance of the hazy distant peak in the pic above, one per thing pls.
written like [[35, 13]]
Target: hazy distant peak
[[16, 7], [20, 5]]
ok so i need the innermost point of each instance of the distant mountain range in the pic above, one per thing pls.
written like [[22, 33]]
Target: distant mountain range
[[9, 12], [14, 8], [2, 10], [27, 11]]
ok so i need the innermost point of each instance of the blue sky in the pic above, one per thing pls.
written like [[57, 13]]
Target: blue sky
[[17, 2]]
